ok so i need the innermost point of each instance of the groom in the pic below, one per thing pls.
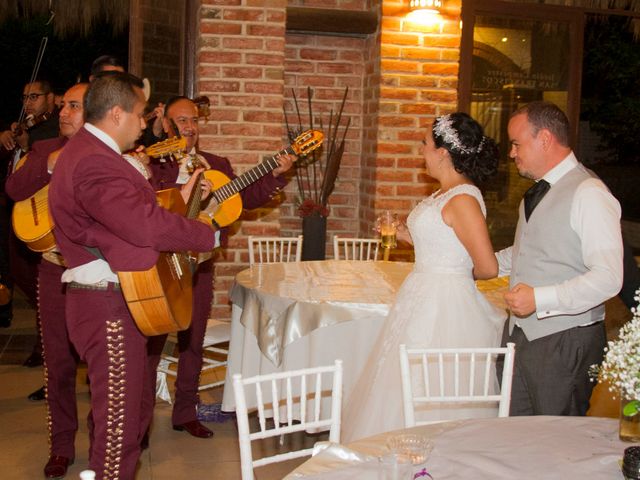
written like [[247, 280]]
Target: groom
[[566, 261]]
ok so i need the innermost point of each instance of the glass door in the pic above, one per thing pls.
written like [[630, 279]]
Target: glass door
[[510, 58]]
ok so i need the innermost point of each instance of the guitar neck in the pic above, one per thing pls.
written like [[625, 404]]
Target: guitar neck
[[251, 176]]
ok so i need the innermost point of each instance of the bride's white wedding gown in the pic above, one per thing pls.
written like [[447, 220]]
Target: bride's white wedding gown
[[438, 305]]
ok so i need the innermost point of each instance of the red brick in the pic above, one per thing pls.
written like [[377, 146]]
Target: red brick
[[393, 148], [243, 15], [299, 67], [384, 175], [438, 96], [399, 66], [398, 94], [400, 39], [218, 28], [241, 72], [441, 41], [264, 59], [220, 57], [336, 68], [261, 145], [263, 87], [396, 121], [245, 130], [266, 30], [421, 108], [440, 68], [234, 43], [219, 86], [262, 117], [419, 53], [241, 101], [317, 54]]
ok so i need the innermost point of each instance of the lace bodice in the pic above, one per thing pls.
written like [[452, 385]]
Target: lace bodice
[[436, 246]]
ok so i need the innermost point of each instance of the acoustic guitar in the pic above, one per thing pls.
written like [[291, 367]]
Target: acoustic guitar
[[160, 299], [226, 193], [31, 220]]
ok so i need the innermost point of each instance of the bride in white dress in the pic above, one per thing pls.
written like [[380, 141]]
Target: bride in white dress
[[438, 304]]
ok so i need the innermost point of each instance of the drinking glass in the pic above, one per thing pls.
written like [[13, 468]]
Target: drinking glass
[[395, 467], [414, 447], [387, 225]]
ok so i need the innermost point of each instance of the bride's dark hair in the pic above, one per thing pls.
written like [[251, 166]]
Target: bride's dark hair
[[473, 154]]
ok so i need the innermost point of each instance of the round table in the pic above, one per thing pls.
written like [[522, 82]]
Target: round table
[[540, 447], [287, 316]]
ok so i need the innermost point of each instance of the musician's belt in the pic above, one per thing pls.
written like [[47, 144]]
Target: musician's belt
[[100, 286]]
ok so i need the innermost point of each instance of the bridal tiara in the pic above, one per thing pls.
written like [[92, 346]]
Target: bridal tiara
[[443, 127]]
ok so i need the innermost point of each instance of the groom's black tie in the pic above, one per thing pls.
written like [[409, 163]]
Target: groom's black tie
[[533, 196]]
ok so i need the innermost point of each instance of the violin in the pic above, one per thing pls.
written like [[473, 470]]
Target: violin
[[31, 121]]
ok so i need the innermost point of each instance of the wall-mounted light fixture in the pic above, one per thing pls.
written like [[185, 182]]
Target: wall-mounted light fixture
[[429, 5]]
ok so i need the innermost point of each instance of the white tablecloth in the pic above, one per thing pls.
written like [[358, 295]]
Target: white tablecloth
[[541, 447], [287, 316]]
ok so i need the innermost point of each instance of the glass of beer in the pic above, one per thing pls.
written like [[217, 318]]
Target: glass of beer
[[387, 225]]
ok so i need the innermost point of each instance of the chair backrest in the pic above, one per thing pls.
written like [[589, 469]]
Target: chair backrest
[[274, 249], [440, 372], [345, 248], [295, 402]]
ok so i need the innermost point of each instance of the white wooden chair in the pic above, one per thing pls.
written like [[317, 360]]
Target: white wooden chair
[[345, 248], [440, 381], [292, 387], [217, 332], [274, 249]]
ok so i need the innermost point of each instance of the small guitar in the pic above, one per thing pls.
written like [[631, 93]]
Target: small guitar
[[166, 147], [160, 299], [31, 220], [229, 202]]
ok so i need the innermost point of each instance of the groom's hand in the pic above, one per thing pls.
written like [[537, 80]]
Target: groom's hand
[[521, 300]]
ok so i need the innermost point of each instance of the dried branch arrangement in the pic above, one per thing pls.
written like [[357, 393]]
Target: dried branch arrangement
[[316, 174]]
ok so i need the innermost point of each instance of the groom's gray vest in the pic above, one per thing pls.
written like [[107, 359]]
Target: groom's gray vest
[[546, 251]]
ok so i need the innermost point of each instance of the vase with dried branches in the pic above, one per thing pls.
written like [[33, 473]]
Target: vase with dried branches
[[316, 175]]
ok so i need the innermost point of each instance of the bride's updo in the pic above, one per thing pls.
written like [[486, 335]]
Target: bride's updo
[[472, 153]]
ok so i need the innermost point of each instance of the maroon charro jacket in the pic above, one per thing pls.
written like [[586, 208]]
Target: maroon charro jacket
[[98, 200], [34, 174]]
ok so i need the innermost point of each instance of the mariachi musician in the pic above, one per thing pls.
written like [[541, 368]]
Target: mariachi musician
[[181, 113], [60, 358], [40, 122], [108, 221]]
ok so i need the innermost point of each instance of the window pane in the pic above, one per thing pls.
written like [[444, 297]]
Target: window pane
[[515, 61]]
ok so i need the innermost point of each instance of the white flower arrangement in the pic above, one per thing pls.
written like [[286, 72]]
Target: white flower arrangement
[[621, 364]]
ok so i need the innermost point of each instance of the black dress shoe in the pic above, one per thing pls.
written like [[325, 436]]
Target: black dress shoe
[[34, 360], [194, 428], [38, 395], [57, 466]]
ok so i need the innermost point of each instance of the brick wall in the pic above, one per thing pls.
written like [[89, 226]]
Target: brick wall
[[241, 70], [161, 27], [399, 78]]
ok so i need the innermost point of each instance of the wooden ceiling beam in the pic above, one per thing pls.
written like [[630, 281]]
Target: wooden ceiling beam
[[331, 21]]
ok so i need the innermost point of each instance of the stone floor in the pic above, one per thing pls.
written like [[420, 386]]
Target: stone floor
[[172, 455]]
